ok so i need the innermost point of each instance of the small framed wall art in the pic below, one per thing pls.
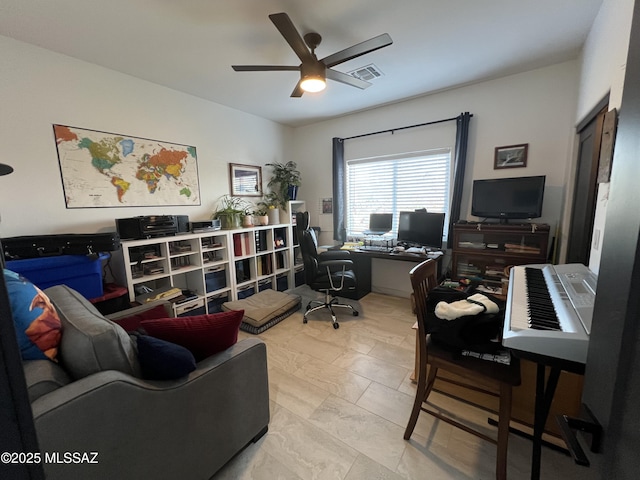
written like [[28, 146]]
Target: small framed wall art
[[511, 156], [245, 180]]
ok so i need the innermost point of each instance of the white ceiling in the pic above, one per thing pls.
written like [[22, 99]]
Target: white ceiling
[[190, 45]]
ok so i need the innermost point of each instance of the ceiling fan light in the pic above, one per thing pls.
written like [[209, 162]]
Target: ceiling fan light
[[313, 83]]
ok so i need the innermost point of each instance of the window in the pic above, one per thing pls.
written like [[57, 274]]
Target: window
[[397, 183]]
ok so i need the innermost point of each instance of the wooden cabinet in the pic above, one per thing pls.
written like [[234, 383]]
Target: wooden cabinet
[[483, 251]]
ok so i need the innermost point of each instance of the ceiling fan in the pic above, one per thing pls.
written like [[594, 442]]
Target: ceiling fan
[[314, 72]]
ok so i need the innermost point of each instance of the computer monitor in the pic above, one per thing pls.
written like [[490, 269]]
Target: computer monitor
[[421, 228], [379, 223]]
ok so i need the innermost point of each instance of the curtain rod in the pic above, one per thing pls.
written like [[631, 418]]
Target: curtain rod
[[392, 130]]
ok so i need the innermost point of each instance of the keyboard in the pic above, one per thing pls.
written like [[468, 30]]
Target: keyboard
[[549, 310], [374, 248]]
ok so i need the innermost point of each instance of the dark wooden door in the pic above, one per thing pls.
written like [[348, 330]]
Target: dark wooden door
[[584, 197]]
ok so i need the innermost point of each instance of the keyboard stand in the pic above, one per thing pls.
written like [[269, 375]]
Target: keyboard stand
[[544, 396]]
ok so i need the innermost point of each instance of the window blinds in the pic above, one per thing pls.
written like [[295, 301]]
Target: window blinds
[[392, 184]]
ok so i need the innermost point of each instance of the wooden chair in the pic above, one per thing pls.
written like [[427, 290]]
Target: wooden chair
[[492, 378]]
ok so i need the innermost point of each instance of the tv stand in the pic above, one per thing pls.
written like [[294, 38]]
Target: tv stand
[[482, 251]]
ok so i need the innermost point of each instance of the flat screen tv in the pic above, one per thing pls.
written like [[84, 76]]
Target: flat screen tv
[[421, 228], [508, 198]]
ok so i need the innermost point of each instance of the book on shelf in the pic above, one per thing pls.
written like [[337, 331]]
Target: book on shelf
[[246, 243], [494, 270], [261, 240], [476, 245], [518, 248], [163, 293], [264, 265], [241, 244], [237, 245]]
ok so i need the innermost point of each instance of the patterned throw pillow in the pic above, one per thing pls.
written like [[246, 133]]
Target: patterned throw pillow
[[36, 321]]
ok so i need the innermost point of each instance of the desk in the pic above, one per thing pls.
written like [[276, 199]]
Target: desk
[[362, 266]]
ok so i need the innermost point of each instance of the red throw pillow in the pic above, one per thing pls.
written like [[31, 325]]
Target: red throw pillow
[[131, 323], [203, 335]]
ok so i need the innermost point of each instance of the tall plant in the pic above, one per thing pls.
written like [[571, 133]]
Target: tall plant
[[284, 175]]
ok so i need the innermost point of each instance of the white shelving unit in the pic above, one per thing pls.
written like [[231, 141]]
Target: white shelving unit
[[298, 266], [215, 266]]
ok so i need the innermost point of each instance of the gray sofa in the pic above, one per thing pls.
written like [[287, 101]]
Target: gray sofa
[[94, 401]]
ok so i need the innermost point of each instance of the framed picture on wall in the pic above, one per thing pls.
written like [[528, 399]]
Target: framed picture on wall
[[245, 180], [511, 156]]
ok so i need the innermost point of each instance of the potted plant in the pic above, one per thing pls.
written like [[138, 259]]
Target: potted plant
[[284, 182], [269, 204], [260, 216], [247, 218], [230, 212]]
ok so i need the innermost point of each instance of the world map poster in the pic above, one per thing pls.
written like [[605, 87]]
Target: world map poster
[[102, 169]]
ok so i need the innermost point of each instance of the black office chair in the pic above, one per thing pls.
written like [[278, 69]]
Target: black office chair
[[328, 272]]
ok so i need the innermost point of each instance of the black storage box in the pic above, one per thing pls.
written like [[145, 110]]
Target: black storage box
[[215, 278]]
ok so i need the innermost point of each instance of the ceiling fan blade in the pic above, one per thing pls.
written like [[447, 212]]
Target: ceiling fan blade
[[297, 92], [354, 51], [284, 24], [263, 68], [347, 79]]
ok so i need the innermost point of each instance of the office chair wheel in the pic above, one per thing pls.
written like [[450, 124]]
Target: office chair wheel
[[336, 326], [356, 313], [304, 320]]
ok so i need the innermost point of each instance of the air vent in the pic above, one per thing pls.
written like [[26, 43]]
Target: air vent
[[367, 73]]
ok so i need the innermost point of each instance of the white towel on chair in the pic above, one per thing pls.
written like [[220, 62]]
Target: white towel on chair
[[472, 305]]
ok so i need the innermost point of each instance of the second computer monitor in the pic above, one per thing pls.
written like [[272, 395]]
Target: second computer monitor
[[421, 228], [379, 223]]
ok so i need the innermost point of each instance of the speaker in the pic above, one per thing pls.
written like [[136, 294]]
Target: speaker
[[183, 223], [146, 226]]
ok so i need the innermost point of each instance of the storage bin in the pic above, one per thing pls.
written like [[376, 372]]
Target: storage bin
[[215, 278], [299, 277], [264, 284], [246, 292], [80, 272], [191, 308], [214, 304], [282, 282]]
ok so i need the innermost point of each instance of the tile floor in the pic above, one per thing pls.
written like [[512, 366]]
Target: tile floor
[[340, 400]]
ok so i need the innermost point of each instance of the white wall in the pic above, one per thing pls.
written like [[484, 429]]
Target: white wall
[[603, 64], [39, 88], [537, 107]]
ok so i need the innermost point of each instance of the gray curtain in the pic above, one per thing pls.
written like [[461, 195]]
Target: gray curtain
[[339, 191], [339, 187], [462, 136]]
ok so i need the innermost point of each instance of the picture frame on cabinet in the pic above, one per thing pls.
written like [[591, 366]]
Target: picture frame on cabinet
[[245, 180], [511, 156]]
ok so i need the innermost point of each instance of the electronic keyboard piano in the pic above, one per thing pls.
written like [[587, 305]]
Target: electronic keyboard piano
[[549, 310]]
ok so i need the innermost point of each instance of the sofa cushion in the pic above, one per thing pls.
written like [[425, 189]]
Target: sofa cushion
[[162, 360], [264, 309], [203, 335], [90, 343], [131, 323], [42, 377], [36, 321]]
